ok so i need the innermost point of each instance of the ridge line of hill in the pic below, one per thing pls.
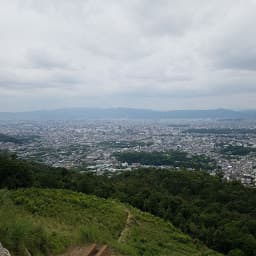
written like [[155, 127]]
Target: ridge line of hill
[[126, 113]]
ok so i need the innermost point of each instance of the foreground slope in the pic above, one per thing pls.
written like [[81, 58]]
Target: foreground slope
[[48, 222]]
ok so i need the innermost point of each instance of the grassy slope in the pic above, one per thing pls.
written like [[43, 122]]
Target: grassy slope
[[46, 221]]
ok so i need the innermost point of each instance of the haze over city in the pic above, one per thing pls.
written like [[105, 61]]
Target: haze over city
[[143, 54]]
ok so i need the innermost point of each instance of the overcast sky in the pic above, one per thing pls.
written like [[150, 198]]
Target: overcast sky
[[158, 54]]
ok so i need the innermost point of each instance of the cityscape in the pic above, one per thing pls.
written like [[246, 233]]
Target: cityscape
[[92, 145]]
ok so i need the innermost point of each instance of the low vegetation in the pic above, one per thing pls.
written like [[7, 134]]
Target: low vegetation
[[48, 221]]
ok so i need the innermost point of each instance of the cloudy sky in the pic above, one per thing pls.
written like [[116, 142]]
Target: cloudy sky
[[159, 54]]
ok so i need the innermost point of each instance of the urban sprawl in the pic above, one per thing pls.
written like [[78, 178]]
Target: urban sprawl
[[91, 146]]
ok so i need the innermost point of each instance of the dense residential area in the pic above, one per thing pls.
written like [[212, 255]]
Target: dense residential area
[[221, 147]]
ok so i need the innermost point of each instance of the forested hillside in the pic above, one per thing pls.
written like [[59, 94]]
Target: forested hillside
[[220, 214]]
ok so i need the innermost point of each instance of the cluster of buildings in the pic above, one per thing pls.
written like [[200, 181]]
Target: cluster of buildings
[[90, 145]]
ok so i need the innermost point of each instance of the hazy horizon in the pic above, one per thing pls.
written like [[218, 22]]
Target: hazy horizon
[[163, 55], [129, 108]]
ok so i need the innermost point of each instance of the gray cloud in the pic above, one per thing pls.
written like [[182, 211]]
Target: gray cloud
[[41, 59], [157, 54]]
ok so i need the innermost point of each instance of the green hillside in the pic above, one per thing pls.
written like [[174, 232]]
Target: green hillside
[[48, 221]]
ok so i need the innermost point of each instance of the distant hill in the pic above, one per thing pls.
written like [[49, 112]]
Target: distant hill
[[126, 113], [48, 222]]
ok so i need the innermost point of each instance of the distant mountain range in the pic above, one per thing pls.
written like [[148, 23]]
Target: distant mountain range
[[126, 113]]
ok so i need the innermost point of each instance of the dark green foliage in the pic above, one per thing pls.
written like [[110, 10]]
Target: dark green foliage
[[221, 214], [15, 173], [16, 139], [172, 158], [236, 150], [7, 138]]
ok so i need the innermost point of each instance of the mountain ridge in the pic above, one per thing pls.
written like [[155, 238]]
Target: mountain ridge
[[126, 113]]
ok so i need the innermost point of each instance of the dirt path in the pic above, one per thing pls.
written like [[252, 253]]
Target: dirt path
[[77, 251], [85, 250], [127, 226], [90, 250]]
